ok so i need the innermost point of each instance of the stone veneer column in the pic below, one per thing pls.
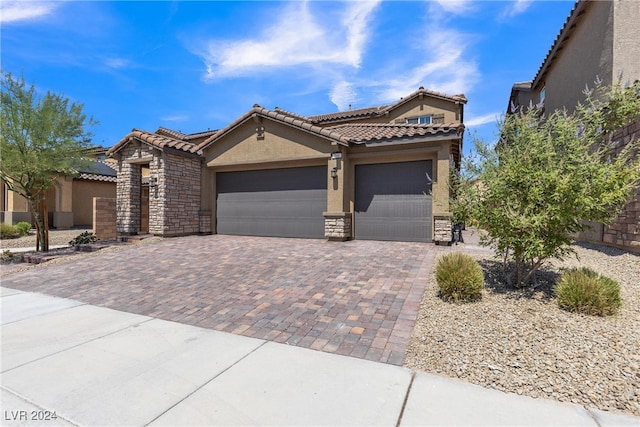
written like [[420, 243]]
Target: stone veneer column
[[337, 226], [128, 198]]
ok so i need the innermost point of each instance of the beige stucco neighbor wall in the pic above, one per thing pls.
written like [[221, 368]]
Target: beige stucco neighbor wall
[[83, 194], [585, 55], [626, 48]]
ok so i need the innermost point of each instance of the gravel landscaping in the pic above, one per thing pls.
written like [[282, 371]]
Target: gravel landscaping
[[56, 237], [520, 341]]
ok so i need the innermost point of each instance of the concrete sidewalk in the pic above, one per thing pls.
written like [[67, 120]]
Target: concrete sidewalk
[[97, 366]]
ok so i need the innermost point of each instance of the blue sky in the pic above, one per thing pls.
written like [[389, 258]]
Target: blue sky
[[193, 66]]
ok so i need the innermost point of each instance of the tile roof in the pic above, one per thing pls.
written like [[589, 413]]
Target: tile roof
[[281, 116], [376, 132], [154, 140], [342, 134], [184, 136], [99, 171], [569, 26], [378, 111], [359, 113]]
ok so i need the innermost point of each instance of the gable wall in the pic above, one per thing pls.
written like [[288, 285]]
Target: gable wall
[[274, 142]]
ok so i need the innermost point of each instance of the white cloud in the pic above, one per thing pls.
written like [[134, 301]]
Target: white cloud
[[175, 118], [456, 6], [117, 63], [16, 11], [515, 8], [446, 68], [296, 38], [343, 95], [484, 119]]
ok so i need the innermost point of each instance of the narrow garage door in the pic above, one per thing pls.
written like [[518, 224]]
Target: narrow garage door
[[275, 202], [393, 201]]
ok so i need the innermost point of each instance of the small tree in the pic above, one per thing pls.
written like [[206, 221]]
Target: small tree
[[547, 176], [42, 139]]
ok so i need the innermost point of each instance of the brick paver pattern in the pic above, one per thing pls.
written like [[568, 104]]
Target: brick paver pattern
[[357, 298]]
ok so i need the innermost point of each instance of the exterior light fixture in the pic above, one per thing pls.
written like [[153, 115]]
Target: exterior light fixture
[[334, 173], [153, 181]]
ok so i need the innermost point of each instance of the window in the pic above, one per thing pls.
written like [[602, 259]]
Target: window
[[543, 93], [422, 120]]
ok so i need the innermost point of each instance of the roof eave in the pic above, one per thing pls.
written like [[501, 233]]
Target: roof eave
[[410, 140], [576, 13]]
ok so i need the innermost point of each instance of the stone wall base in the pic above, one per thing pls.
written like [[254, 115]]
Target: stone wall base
[[337, 226], [442, 226]]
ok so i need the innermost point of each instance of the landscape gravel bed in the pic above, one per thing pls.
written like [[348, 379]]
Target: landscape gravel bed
[[520, 340], [56, 238]]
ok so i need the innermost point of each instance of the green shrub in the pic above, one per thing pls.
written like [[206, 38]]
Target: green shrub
[[23, 227], [585, 291], [84, 238], [8, 231], [459, 277]]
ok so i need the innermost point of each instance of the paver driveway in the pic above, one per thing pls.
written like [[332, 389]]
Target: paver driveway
[[357, 298]]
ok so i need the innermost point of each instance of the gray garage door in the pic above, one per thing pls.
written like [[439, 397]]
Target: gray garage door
[[275, 202], [392, 201]]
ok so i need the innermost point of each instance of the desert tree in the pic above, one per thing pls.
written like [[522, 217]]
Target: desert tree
[[43, 138], [547, 176]]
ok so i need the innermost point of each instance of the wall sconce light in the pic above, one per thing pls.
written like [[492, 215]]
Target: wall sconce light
[[153, 181], [334, 173]]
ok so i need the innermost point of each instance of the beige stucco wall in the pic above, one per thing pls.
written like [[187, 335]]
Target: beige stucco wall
[[83, 194], [246, 146], [279, 146], [626, 40], [15, 202], [585, 55]]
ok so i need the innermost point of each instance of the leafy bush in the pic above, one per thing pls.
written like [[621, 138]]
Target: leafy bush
[[8, 231], [83, 238], [585, 291], [23, 227], [459, 277]]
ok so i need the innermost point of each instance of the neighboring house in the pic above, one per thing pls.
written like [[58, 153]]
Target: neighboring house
[[599, 40], [375, 173], [70, 201]]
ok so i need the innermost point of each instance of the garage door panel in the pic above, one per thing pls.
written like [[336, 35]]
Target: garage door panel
[[393, 201], [278, 202]]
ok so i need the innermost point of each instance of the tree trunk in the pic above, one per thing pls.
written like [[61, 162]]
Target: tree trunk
[[40, 216]]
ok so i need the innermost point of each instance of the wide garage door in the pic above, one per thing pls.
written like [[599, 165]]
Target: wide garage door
[[393, 201], [275, 202]]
